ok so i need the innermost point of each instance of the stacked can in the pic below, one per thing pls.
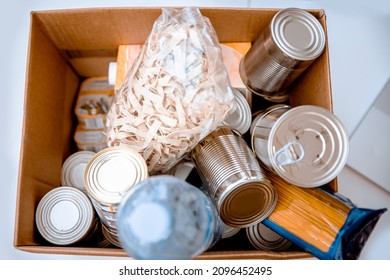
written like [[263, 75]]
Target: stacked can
[[65, 216], [92, 105], [306, 146], [285, 49], [109, 175], [263, 238], [236, 183]]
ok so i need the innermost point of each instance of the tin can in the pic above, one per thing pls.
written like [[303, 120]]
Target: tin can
[[93, 140], [237, 184], [306, 145], [111, 235], [109, 175], [241, 117], [73, 168], [65, 216], [229, 231], [93, 102], [263, 238], [283, 51]]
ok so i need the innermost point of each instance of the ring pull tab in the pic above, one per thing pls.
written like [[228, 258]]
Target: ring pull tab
[[291, 153]]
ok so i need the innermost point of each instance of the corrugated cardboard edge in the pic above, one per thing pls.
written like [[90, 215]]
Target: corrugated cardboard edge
[[114, 252]]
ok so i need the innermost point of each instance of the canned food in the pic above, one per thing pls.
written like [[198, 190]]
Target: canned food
[[65, 216], [229, 231], [93, 140], [242, 194], [241, 117], [73, 168], [263, 238], [111, 235], [306, 145], [93, 102], [109, 175], [287, 47]]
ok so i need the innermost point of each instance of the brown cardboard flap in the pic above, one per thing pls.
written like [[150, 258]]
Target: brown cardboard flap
[[91, 66]]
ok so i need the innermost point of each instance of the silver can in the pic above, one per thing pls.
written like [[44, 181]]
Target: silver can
[[73, 168], [65, 216], [241, 117], [111, 235], [283, 51], [306, 145], [109, 175], [235, 181], [263, 238]]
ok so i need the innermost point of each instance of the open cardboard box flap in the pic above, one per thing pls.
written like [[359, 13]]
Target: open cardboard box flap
[[65, 46]]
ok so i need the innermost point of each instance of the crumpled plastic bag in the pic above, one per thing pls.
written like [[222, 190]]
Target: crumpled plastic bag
[[176, 92]]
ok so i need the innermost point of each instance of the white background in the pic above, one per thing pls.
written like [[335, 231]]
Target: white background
[[359, 40]]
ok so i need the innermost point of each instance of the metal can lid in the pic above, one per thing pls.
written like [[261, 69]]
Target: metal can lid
[[229, 231], [308, 146], [240, 119], [72, 171], [263, 238], [247, 203], [298, 34], [112, 172], [64, 215]]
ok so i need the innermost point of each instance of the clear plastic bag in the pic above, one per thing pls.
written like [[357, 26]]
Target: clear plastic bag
[[176, 93]]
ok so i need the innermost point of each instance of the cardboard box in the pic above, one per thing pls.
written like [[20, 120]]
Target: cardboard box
[[65, 47]]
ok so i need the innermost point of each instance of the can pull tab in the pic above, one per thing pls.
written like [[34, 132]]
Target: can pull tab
[[291, 153]]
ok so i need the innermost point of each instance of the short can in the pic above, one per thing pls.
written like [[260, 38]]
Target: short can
[[109, 175], [293, 40], [65, 216], [73, 168], [306, 145], [263, 238], [235, 181], [240, 117]]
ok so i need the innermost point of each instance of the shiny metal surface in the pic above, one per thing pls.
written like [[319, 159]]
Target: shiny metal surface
[[306, 145], [65, 216], [282, 52], [234, 178]]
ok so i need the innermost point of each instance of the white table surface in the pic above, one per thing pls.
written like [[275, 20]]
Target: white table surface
[[359, 39]]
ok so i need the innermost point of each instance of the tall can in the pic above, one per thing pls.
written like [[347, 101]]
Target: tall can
[[306, 145], [65, 216], [109, 175], [284, 50], [235, 181]]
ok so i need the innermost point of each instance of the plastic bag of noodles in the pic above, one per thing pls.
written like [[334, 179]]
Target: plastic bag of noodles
[[176, 92]]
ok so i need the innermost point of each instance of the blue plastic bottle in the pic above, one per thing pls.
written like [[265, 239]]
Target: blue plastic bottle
[[164, 217]]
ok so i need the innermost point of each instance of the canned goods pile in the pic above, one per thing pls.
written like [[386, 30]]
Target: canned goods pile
[[92, 105], [243, 176]]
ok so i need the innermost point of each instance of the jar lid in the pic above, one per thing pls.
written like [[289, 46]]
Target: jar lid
[[112, 172], [298, 34], [308, 146], [64, 215]]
